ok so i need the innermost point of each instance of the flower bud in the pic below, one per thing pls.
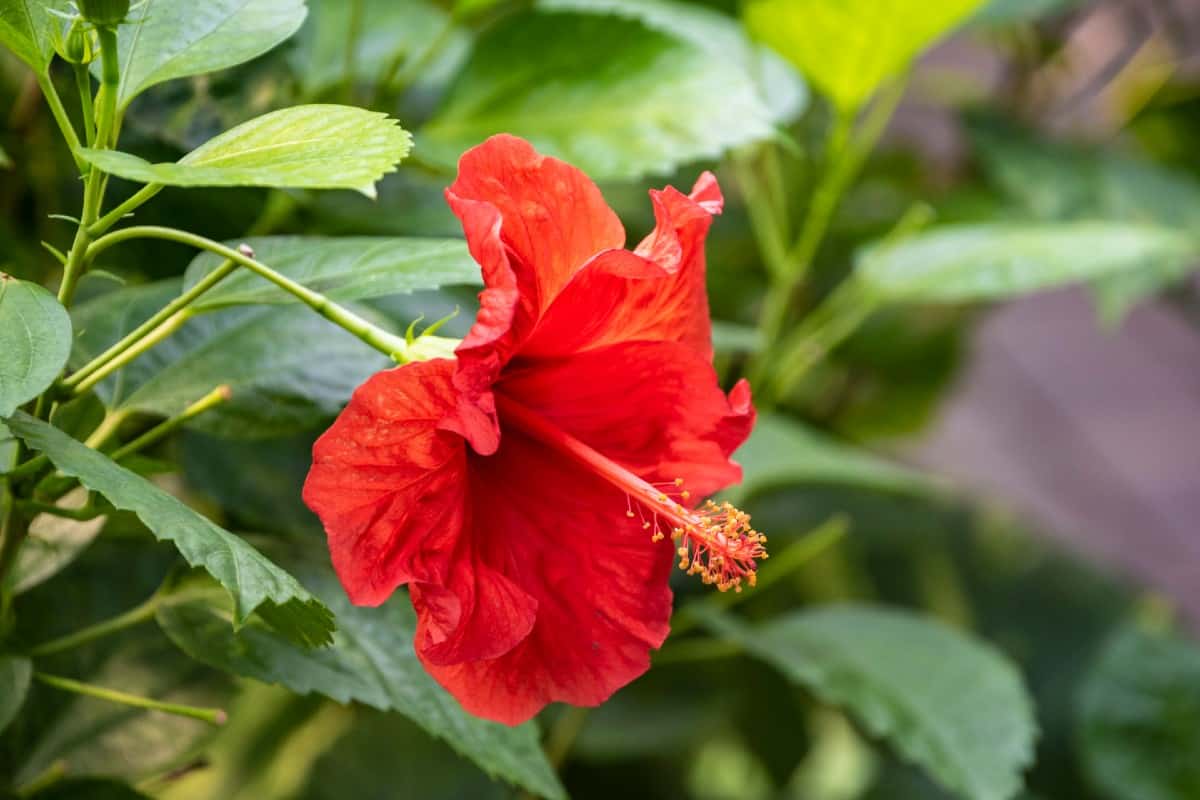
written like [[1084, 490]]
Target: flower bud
[[77, 45], [104, 13]]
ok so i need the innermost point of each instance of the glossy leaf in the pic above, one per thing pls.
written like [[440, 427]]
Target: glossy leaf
[[950, 704], [849, 48], [169, 39], [371, 661], [344, 268], [782, 452], [26, 28], [15, 674], [1139, 716], [254, 583], [288, 369], [53, 543], [1001, 260], [303, 147], [608, 94], [35, 338]]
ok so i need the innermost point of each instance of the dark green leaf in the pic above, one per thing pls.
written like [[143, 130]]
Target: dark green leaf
[[53, 543], [170, 39], [15, 673], [27, 28], [35, 338], [1002, 260], [347, 268], [642, 99], [254, 582], [1139, 714], [948, 703], [372, 662]]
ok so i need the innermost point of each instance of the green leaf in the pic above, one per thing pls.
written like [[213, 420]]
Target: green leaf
[[53, 543], [782, 451], [35, 338], [996, 261], [303, 147], [254, 583], [91, 788], [288, 369], [345, 268], [607, 94], [8, 449], [170, 39], [27, 28], [781, 87], [371, 661], [948, 703], [849, 48], [15, 673], [1139, 716]]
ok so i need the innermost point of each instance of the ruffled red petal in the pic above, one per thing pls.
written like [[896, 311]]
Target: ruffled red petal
[[603, 602]]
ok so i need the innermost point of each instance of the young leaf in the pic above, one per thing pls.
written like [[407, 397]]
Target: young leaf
[[782, 451], [35, 339], [26, 28], [1139, 714], [849, 48], [287, 368], [303, 147], [371, 661], [1000, 260], [15, 673], [950, 704], [345, 268], [53, 543], [169, 39], [610, 95], [254, 583]]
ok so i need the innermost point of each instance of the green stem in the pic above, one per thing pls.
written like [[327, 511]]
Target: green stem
[[353, 33], [79, 514], [135, 349], [383, 341], [149, 326], [413, 67], [13, 531], [110, 81], [83, 82], [48, 777], [213, 716], [132, 618], [60, 117], [102, 225], [765, 221], [159, 432]]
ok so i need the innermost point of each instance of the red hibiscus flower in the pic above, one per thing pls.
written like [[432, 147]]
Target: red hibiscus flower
[[534, 491]]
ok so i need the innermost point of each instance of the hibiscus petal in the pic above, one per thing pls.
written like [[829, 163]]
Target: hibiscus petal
[[390, 486], [655, 293], [561, 534], [653, 407]]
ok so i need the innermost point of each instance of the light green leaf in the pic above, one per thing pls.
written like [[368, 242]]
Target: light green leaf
[[35, 338], [371, 661], [15, 673], [608, 94], [1139, 715], [170, 39], [950, 704], [27, 28], [849, 48], [304, 147], [288, 369], [53, 543], [254, 583], [781, 87], [782, 452], [997, 261], [345, 268]]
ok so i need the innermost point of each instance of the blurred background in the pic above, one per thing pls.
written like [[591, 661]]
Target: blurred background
[[1027, 470]]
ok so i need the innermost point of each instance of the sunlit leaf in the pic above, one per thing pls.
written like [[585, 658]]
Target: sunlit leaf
[[1139, 712], [1001, 260], [169, 39], [371, 661], [608, 94], [254, 583], [311, 147], [343, 268], [950, 704], [849, 48], [35, 340], [15, 673], [26, 28]]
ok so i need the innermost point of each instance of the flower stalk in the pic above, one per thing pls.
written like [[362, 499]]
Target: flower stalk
[[213, 716]]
